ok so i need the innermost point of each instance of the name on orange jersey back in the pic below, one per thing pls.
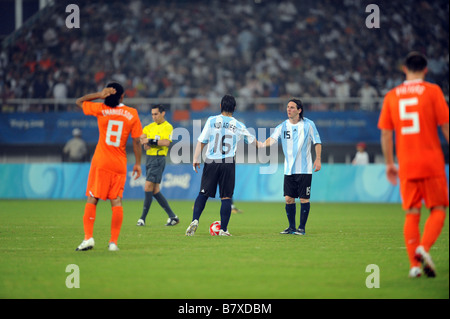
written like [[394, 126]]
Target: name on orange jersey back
[[117, 111], [410, 89]]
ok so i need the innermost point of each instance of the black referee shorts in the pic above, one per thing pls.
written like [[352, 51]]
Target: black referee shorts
[[297, 185], [222, 174], [154, 167]]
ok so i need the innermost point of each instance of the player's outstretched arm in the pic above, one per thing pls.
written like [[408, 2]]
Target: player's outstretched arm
[[267, 142], [257, 143]]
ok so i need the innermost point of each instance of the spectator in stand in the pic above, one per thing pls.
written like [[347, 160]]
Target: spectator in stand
[[75, 150], [368, 95], [60, 91], [166, 40], [361, 156]]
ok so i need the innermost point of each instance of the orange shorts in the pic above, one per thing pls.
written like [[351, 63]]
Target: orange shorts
[[105, 184], [433, 190]]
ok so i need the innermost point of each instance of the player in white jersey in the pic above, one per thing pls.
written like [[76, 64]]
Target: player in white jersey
[[297, 135], [221, 133]]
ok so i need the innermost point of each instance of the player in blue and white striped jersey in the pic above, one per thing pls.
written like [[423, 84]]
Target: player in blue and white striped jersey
[[297, 135], [221, 133]]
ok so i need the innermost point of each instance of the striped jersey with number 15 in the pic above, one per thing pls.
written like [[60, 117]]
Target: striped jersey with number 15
[[296, 141]]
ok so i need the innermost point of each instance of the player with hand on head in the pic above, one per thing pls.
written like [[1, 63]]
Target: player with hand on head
[[221, 133], [414, 110], [108, 171], [297, 134]]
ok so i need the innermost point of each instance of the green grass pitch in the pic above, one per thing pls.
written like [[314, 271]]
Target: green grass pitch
[[38, 240]]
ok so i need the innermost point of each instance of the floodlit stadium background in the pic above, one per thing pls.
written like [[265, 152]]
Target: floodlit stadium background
[[187, 55]]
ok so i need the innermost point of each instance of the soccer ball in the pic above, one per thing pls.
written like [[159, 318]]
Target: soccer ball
[[214, 228]]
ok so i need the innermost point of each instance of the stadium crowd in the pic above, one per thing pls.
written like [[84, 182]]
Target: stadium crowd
[[205, 49]]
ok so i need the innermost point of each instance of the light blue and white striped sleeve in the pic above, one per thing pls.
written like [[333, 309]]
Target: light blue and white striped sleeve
[[276, 134], [205, 134], [243, 132], [314, 134]]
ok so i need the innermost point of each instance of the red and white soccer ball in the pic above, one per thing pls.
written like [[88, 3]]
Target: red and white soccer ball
[[214, 228]]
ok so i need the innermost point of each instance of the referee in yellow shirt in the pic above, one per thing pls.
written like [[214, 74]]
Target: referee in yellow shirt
[[156, 138]]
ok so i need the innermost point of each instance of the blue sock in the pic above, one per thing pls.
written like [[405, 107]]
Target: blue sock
[[225, 213], [304, 213], [162, 201], [290, 212], [147, 203], [199, 206]]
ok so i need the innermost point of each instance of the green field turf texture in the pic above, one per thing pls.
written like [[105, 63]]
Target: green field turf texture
[[38, 240]]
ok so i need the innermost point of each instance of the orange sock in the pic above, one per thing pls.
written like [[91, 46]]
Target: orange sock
[[116, 223], [432, 229], [88, 220], [411, 234]]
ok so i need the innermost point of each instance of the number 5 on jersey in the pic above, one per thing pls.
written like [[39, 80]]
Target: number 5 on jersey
[[413, 116], [114, 133]]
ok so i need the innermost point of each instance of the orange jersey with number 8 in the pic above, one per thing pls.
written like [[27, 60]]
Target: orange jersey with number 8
[[115, 124], [414, 110]]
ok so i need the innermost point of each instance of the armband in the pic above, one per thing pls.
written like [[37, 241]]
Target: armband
[[152, 142]]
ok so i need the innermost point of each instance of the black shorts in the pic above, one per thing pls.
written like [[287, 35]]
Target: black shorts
[[222, 174], [154, 168], [297, 185]]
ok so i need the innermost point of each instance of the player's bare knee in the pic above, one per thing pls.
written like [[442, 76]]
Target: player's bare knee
[[289, 200], [149, 187], [92, 200], [116, 202]]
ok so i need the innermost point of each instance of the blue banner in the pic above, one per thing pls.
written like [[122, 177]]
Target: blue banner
[[43, 181], [333, 183], [56, 128]]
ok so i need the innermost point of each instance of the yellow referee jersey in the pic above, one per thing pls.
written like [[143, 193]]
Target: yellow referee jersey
[[156, 131]]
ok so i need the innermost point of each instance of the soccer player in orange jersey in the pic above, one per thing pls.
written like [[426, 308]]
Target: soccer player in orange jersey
[[108, 170], [414, 110]]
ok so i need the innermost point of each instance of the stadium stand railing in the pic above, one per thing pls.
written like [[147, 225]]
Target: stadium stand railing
[[177, 103]]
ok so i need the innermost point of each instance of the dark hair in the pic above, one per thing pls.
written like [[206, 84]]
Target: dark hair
[[114, 99], [228, 104], [160, 107], [415, 61], [299, 106]]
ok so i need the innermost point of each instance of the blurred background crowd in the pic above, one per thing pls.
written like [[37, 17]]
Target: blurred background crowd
[[205, 49]]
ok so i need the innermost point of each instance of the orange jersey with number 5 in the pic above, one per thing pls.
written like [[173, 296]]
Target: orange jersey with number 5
[[414, 110], [115, 124]]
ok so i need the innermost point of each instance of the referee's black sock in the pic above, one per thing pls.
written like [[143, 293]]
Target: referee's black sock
[[164, 204], [147, 203], [304, 213], [199, 206], [225, 213], [290, 213]]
